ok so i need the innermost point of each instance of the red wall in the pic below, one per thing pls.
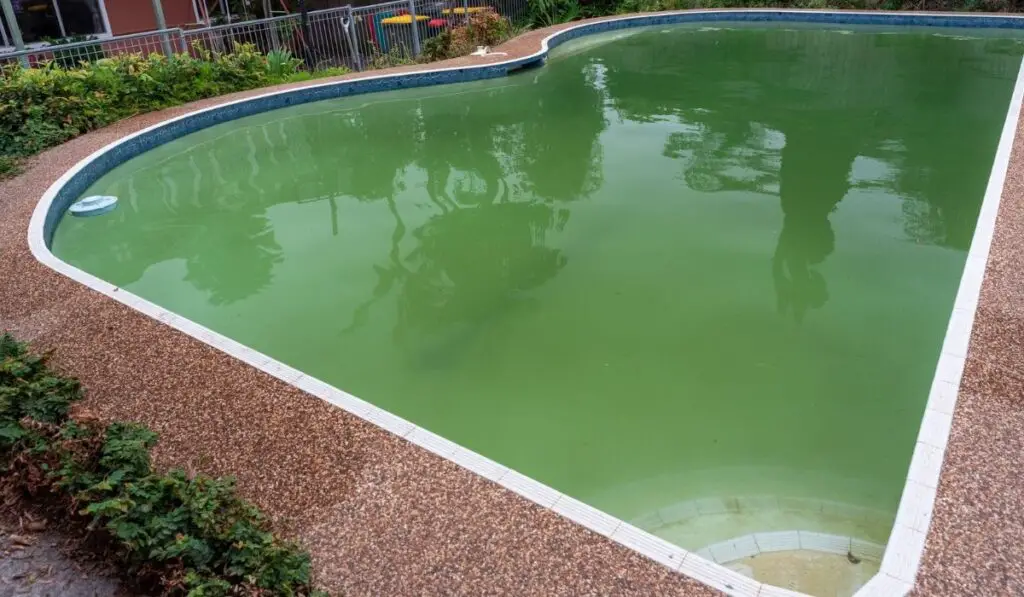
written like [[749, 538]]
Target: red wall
[[134, 16]]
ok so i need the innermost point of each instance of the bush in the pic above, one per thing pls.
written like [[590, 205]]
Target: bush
[[8, 167], [172, 534], [43, 107], [483, 29]]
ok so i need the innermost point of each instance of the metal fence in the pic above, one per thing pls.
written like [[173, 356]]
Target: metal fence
[[71, 55], [360, 38]]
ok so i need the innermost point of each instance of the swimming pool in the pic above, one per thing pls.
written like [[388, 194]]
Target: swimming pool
[[697, 277]]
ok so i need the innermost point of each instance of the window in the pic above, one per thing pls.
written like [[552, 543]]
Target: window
[[50, 20]]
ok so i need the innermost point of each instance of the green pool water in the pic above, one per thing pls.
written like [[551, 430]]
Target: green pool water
[[672, 266]]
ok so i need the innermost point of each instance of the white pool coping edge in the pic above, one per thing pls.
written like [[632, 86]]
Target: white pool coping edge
[[905, 548]]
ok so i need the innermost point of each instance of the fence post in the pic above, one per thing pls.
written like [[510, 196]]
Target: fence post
[[465, 10], [415, 29], [161, 24], [353, 43], [12, 22]]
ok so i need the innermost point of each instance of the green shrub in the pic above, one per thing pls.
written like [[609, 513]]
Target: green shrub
[[172, 533], [281, 63], [483, 29], [544, 13], [43, 107], [9, 166]]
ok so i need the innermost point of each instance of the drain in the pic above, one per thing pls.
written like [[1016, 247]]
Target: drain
[[93, 205]]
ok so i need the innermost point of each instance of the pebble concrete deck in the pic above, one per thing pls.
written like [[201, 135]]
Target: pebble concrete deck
[[384, 517]]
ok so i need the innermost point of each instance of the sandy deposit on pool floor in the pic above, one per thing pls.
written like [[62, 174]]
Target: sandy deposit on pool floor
[[814, 573]]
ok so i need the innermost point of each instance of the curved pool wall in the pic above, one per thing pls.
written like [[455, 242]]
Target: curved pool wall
[[82, 176], [906, 543]]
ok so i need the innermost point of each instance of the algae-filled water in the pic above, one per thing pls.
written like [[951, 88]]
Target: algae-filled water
[[676, 270]]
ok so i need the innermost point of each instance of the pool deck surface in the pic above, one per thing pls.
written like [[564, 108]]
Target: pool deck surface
[[381, 516]]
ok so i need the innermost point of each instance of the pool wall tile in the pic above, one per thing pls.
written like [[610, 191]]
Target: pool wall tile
[[824, 543], [734, 549], [867, 550], [678, 512], [777, 541], [906, 543]]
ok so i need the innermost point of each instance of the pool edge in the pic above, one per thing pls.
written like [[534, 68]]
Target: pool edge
[[902, 557]]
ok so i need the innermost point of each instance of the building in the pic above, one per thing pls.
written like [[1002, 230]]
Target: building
[[47, 20]]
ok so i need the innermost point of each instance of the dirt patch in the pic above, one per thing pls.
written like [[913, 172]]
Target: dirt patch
[[37, 561]]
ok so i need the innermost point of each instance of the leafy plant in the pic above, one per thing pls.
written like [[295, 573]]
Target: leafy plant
[[281, 63], [172, 533], [545, 13], [9, 166], [396, 56], [43, 107], [483, 29]]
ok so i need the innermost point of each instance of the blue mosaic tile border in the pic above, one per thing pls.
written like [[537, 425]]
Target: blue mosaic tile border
[[122, 152]]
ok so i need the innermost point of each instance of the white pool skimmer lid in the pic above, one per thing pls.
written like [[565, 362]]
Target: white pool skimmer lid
[[93, 205]]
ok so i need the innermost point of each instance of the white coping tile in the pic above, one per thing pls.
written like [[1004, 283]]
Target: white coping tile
[[903, 553], [720, 577], [970, 287], [926, 465], [653, 547], [431, 441], [586, 515], [678, 512], [883, 585], [942, 397], [935, 428], [283, 372], [333, 395], [481, 465], [530, 489], [826, 543], [734, 549], [392, 423], [867, 550], [950, 368], [777, 541], [915, 510], [350, 403], [314, 386], [958, 332]]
